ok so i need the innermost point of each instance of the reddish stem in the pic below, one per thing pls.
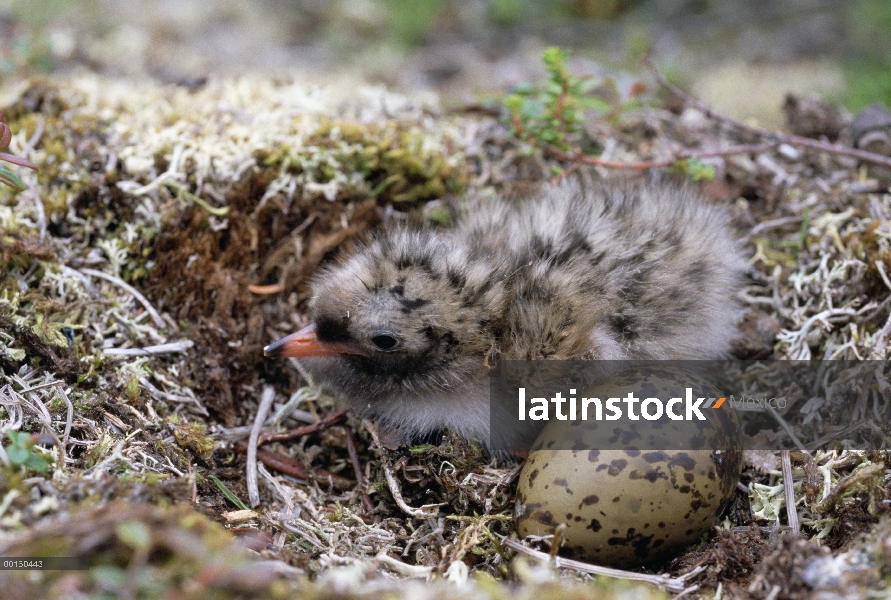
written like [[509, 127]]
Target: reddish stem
[[295, 468], [779, 137], [333, 419], [17, 160], [357, 469]]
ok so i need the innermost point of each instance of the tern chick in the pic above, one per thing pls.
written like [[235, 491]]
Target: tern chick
[[407, 327]]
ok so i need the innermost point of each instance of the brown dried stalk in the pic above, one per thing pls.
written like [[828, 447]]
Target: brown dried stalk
[[357, 469], [776, 137], [295, 468], [333, 419], [576, 157]]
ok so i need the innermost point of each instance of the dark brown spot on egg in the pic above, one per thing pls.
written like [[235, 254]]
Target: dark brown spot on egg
[[654, 457], [683, 460], [617, 466], [589, 500], [544, 517], [651, 475]]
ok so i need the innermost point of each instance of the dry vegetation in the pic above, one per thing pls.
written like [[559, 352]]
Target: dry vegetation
[[168, 237]]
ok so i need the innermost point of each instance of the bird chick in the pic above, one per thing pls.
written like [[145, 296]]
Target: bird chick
[[406, 328]]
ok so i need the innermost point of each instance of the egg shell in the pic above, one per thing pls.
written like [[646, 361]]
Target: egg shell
[[631, 505]]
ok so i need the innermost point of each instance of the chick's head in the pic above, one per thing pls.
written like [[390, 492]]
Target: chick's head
[[399, 314]]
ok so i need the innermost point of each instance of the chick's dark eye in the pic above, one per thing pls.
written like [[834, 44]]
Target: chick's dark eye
[[385, 342]]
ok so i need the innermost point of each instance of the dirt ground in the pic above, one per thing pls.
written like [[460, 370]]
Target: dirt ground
[[185, 216]]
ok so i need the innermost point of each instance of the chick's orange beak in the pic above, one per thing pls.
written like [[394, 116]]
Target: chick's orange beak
[[304, 343]]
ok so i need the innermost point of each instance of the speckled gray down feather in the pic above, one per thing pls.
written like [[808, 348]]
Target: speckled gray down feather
[[576, 271]]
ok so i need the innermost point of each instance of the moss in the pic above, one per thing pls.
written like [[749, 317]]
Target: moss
[[150, 551], [19, 250], [12, 480], [147, 478], [192, 437], [395, 162], [99, 451]]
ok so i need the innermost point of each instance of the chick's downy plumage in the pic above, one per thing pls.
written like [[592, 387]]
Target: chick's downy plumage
[[406, 328]]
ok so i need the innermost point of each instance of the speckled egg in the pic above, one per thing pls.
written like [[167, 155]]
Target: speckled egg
[[632, 492]]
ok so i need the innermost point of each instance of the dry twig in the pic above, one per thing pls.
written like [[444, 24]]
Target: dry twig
[[294, 468], [171, 348], [424, 512], [672, 584], [154, 314], [777, 137], [357, 469], [335, 418], [262, 410], [789, 491]]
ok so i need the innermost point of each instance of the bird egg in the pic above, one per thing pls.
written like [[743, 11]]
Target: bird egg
[[632, 492]]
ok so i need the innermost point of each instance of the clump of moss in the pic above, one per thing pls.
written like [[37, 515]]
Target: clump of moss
[[395, 163], [18, 251], [140, 550], [192, 437]]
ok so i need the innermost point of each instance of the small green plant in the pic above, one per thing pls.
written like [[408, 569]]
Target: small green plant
[[695, 169], [229, 494], [549, 118], [555, 110], [20, 451], [6, 176], [421, 449]]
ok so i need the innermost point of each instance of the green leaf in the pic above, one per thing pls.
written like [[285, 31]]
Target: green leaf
[[523, 89], [135, 534], [18, 438], [440, 215], [695, 169], [554, 58], [228, 493], [11, 179], [421, 449], [109, 578], [37, 463], [18, 455]]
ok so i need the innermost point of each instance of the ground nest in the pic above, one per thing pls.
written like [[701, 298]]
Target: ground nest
[[170, 234]]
